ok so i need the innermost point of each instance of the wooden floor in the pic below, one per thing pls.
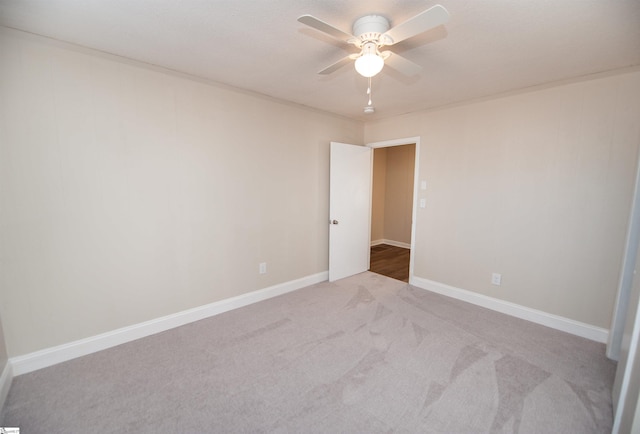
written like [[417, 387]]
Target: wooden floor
[[390, 261]]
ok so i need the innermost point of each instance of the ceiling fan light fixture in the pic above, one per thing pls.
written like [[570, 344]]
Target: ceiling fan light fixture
[[369, 65], [370, 62]]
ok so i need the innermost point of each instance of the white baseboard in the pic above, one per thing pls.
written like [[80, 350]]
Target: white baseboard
[[5, 383], [577, 328], [61, 353], [391, 243]]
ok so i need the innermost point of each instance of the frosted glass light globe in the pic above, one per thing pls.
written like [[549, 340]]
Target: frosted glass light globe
[[369, 64]]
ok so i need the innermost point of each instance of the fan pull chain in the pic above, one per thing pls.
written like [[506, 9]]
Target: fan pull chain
[[369, 108]]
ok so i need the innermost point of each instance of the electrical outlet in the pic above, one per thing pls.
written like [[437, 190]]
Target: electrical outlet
[[496, 279], [262, 267]]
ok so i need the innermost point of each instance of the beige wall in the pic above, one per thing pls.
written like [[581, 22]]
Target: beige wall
[[398, 204], [392, 204], [378, 193], [535, 186], [129, 194]]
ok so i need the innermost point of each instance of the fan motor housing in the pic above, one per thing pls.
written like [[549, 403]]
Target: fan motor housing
[[370, 27]]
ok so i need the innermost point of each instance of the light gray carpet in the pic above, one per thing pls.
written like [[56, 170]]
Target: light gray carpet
[[366, 354]]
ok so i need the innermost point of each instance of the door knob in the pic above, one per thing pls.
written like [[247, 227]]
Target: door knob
[[333, 222]]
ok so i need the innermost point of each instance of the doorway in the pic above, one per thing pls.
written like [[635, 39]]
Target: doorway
[[392, 209]]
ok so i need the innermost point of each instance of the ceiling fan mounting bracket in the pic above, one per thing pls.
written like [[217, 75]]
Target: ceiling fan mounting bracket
[[370, 28]]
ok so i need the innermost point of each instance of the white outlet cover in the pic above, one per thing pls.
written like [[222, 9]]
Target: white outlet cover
[[496, 278]]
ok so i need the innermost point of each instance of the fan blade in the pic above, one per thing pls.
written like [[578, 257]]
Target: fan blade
[[339, 64], [401, 64], [317, 24], [432, 17]]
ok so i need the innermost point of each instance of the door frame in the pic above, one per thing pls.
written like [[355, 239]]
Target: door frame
[[416, 183], [627, 271]]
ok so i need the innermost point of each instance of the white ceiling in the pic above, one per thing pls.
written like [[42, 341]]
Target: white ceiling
[[487, 48]]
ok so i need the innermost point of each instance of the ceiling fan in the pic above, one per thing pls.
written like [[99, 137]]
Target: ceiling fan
[[371, 33]]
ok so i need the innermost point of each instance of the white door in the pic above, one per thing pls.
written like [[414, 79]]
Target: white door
[[349, 210]]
